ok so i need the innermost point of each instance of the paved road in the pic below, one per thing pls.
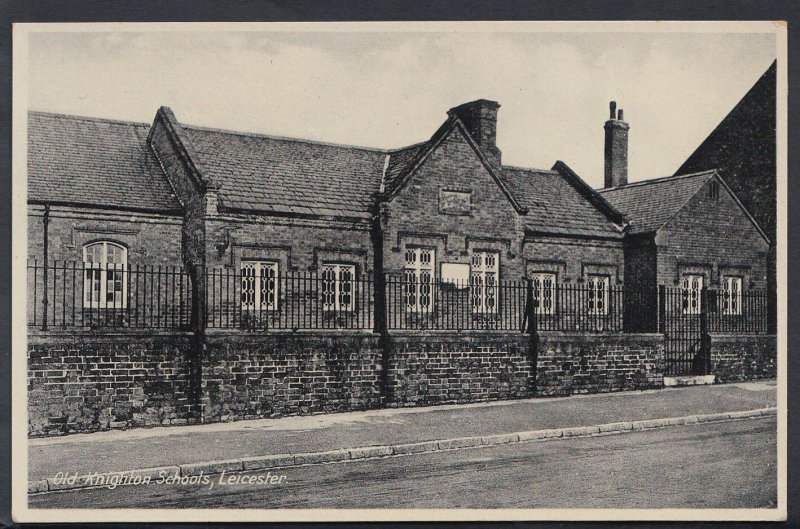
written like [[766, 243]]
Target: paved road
[[731, 464]]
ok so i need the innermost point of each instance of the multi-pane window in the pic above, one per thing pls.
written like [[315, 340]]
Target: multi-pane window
[[259, 285], [597, 299], [104, 277], [544, 293], [338, 287], [483, 274], [732, 296], [418, 278], [691, 288]]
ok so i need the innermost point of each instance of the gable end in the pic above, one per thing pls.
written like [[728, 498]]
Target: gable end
[[453, 122]]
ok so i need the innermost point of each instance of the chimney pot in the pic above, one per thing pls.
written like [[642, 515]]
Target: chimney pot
[[613, 107], [619, 115]]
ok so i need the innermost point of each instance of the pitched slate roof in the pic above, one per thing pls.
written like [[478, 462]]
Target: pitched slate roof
[[649, 204], [284, 175], [94, 162], [555, 205], [400, 162], [106, 163]]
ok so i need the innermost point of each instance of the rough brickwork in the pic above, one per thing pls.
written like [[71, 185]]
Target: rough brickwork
[[616, 152], [440, 368], [249, 376], [151, 239], [173, 150], [235, 237], [571, 363], [413, 217], [737, 357], [712, 237], [89, 383], [573, 259]]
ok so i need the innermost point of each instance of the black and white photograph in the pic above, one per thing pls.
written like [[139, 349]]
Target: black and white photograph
[[399, 271]]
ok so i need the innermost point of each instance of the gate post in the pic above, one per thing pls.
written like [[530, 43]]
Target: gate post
[[661, 301]]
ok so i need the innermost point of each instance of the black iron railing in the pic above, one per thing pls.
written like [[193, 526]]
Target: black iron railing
[[68, 294], [687, 317], [286, 301], [65, 294]]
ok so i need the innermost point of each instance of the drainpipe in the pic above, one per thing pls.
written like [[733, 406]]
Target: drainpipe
[[45, 301]]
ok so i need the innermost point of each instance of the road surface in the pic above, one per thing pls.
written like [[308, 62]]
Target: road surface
[[719, 465]]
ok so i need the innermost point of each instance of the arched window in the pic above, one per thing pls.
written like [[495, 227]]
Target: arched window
[[104, 277]]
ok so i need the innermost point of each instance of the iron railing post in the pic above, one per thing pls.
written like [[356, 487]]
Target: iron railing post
[[45, 297], [704, 352]]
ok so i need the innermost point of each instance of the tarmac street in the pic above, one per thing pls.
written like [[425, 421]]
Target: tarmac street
[[728, 464]]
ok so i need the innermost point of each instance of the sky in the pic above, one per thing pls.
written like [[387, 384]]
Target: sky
[[388, 89]]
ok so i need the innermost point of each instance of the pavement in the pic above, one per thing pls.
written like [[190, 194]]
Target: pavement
[[291, 441], [710, 465]]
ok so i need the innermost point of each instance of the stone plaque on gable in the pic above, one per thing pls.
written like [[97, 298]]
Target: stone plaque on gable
[[454, 202]]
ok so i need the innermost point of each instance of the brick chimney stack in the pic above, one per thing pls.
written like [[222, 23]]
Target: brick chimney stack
[[616, 148], [480, 118]]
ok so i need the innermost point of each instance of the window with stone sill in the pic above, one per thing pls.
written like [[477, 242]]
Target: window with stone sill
[[544, 293], [691, 290], [104, 286], [259, 288], [338, 287], [732, 296], [484, 274], [597, 295], [419, 277]]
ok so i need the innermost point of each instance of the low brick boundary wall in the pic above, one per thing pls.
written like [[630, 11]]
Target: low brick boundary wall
[[84, 383], [450, 367], [740, 357], [247, 376], [88, 382], [571, 363]]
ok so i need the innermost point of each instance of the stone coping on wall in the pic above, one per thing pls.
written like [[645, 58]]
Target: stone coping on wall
[[51, 335], [238, 333], [735, 336], [596, 336]]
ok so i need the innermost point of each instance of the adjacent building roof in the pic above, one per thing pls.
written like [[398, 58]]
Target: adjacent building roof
[[555, 205], [91, 161], [742, 149], [648, 205], [272, 174]]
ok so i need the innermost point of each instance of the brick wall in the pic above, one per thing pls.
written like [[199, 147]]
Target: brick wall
[[413, 216], [88, 383], [174, 152], [571, 363], [252, 376], [573, 259], [737, 357], [81, 383], [714, 238], [276, 239], [151, 239], [440, 368]]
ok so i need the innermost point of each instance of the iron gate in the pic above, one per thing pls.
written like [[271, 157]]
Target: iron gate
[[684, 324]]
